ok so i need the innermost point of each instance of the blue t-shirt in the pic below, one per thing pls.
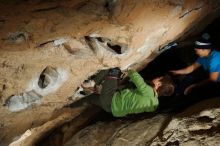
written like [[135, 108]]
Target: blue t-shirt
[[211, 63]]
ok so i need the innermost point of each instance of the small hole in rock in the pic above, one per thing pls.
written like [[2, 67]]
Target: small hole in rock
[[116, 48], [87, 38], [48, 75], [4, 87], [41, 81], [175, 143], [205, 119], [106, 5], [100, 39], [82, 92]]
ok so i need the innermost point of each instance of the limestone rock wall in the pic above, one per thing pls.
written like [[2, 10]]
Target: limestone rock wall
[[48, 48]]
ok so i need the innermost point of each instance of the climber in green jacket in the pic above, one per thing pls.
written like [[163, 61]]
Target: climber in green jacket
[[121, 102]]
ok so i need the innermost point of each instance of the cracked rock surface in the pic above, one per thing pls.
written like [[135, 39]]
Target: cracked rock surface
[[196, 126]]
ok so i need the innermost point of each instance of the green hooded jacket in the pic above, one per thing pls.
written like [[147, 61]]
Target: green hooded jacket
[[133, 101]]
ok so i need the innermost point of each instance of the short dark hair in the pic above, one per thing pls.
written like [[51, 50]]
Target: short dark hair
[[167, 86]]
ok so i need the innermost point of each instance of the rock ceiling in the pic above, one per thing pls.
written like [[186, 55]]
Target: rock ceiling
[[48, 48]]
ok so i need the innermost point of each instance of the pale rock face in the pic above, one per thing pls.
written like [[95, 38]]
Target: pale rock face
[[50, 80], [76, 38], [24, 136], [200, 128]]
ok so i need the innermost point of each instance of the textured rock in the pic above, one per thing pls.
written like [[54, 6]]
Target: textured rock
[[48, 48], [139, 132], [195, 126]]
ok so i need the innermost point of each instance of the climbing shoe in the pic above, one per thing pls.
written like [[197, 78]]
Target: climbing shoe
[[115, 72]]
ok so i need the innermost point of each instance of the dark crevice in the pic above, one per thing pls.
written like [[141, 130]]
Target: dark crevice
[[41, 83], [3, 87], [116, 48], [87, 38], [100, 39], [175, 143], [188, 12], [205, 119], [45, 9], [7, 101], [43, 44], [88, 41], [211, 132], [109, 6], [46, 77]]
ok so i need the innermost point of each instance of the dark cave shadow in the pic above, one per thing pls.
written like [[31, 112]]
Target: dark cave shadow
[[177, 58], [172, 59]]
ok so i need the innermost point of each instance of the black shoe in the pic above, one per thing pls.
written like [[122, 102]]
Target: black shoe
[[115, 72]]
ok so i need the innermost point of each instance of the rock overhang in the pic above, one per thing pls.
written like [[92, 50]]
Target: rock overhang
[[39, 34]]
